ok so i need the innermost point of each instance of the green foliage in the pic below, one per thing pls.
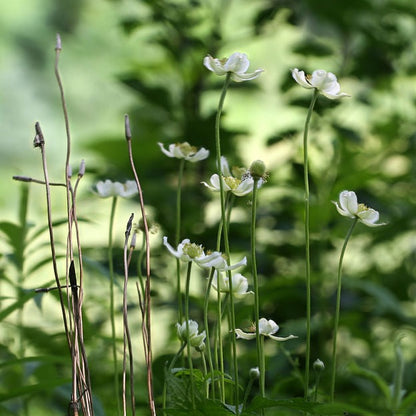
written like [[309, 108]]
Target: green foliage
[[366, 143]]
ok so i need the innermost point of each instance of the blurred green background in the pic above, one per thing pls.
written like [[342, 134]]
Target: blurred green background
[[144, 58]]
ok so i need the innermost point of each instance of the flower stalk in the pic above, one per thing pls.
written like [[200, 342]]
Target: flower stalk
[[337, 309], [307, 241], [225, 232]]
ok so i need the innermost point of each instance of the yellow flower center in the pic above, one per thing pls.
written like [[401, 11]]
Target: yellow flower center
[[193, 250], [232, 182], [362, 208], [187, 149]]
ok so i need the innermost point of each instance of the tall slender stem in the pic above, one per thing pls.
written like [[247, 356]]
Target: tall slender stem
[[112, 317], [337, 309], [177, 238], [256, 287], [225, 234], [206, 325], [188, 345], [307, 242]]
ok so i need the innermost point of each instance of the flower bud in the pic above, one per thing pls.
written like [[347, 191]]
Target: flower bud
[[318, 365], [257, 169], [254, 373]]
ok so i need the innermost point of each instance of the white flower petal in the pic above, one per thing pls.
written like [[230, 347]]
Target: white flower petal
[[348, 202], [282, 338], [201, 154], [244, 335], [237, 65], [166, 152], [242, 262], [300, 78], [225, 169], [369, 217], [267, 327], [247, 77], [244, 188], [325, 82]]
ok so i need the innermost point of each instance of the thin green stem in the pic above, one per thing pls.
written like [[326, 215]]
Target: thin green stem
[[337, 309], [112, 317], [220, 348], [225, 234], [262, 367], [307, 241], [206, 325], [188, 345], [256, 287], [178, 236]]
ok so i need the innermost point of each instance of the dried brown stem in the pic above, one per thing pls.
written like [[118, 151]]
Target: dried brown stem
[[127, 337], [146, 317]]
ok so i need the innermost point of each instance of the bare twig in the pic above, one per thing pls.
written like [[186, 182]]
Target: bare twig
[[127, 337], [27, 179], [39, 141], [80, 363], [146, 317]]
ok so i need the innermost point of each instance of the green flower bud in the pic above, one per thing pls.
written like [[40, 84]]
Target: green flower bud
[[257, 169]]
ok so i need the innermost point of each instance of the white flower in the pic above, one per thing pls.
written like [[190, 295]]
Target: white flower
[[266, 328], [349, 207], [325, 82], [108, 188], [239, 182], [239, 282], [237, 64], [188, 251], [195, 340], [185, 151]]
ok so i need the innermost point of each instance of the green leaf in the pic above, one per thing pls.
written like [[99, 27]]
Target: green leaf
[[374, 377], [312, 408], [17, 305], [43, 386]]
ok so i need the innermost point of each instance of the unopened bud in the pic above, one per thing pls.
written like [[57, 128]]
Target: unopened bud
[[254, 373], [257, 169], [127, 129], [133, 240], [81, 168], [318, 365]]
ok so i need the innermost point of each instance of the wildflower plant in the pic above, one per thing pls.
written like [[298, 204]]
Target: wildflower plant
[[325, 83], [348, 207], [203, 376]]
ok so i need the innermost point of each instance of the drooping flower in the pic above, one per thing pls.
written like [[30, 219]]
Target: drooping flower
[[239, 283], [188, 252], [195, 340], [349, 207], [238, 180], [266, 328], [325, 82], [185, 151], [237, 64], [108, 188]]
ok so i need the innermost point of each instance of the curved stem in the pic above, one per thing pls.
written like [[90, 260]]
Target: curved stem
[[112, 318], [225, 234], [337, 309], [307, 241]]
